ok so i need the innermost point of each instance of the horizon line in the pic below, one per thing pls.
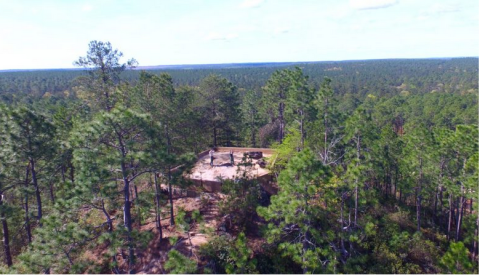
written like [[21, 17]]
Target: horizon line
[[243, 63]]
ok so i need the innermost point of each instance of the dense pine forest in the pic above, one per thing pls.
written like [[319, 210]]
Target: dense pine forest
[[376, 165]]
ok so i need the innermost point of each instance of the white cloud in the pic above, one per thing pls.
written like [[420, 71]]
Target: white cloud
[[372, 4], [246, 4], [218, 36]]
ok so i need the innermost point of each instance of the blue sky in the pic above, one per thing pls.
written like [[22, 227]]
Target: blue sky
[[52, 34]]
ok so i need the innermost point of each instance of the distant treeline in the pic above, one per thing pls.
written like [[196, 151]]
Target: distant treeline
[[359, 78]]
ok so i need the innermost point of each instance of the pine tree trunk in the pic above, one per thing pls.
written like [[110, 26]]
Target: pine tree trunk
[[281, 133], [72, 174], [110, 231], [440, 200], [450, 214], [52, 195], [418, 202], [395, 182], [157, 207], [438, 192], [127, 215], [137, 202], [62, 169], [302, 131], [419, 194], [475, 243], [252, 141], [304, 253], [460, 217], [172, 220], [6, 237], [27, 214], [37, 191]]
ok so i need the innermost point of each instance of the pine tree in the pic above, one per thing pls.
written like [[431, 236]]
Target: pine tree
[[294, 213], [124, 146], [104, 68], [327, 133], [221, 104], [179, 264], [251, 116], [31, 137]]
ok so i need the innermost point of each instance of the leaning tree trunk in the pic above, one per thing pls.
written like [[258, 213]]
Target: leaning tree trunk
[[6, 237]]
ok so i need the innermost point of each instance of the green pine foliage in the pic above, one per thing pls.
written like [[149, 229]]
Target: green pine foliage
[[179, 264]]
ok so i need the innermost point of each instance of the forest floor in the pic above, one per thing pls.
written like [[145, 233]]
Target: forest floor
[[151, 259]]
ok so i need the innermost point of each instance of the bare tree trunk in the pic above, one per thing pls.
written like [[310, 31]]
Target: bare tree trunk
[[460, 217], [37, 191], [475, 243], [62, 169], [6, 237], [304, 252], [438, 192], [450, 214], [127, 212], [172, 220], [395, 182], [137, 202], [27, 214], [52, 194], [157, 206], [252, 141], [72, 174]]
